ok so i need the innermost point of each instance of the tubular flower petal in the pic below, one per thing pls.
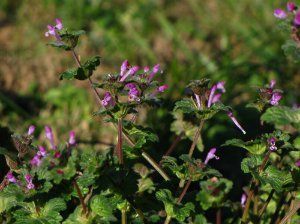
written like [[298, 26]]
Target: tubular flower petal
[[234, 120], [49, 136], [72, 140], [243, 200], [108, 100], [276, 97], [211, 155], [31, 130]]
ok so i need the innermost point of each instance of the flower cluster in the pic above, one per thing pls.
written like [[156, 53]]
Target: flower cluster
[[40, 155], [135, 83], [52, 30], [291, 8], [270, 94], [272, 144]]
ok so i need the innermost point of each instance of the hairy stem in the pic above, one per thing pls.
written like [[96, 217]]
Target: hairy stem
[[196, 137], [278, 208], [262, 210], [119, 150], [168, 220], [172, 147], [84, 208], [293, 209], [254, 184], [124, 218], [184, 191], [155, 166]]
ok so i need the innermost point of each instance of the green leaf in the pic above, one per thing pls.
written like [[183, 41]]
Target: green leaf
[[186, 106], [78, 218], [280, 116], [92, 63], [254, 147], [275, 177], [291, 49], [213, 192], [179, 212], [200, 219], [77, 73], [60, 45], [141, 134], [251, 163], [103, 207]]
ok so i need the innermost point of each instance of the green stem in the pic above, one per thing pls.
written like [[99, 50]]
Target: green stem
[[168, 220], [155, 166], [196, 137]]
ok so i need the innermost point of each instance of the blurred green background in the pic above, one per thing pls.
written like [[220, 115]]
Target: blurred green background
[[234, 41]]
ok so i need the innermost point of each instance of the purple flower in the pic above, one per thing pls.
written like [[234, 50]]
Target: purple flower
[[276, 97], [124, 67], [10, 177], [297, 163], [291, 6], [218, 86], [272, 83], [216, 98], [108, 100], [162, 88], [28, 179], [49, 136], [230, 114], [130, 72], [272, 144], [134, 93], [280, 14], [72, 140], [31, 130], [243, 200], [42, 151], [297, 18], [36, 160], [211, 155], [52, 30], [146, 69], [155, 70]]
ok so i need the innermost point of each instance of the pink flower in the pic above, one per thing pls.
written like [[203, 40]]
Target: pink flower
[[72, 140], [49, 136], [297, 163], [280, 14], [130, 72], [211, 155], [243, 200], [155, 70], [272, 83], [36, 160], [297, 18], [57, 155], [10, 177], [276, 97], [162, 88], [124, 67], [146, 69], [42, 151], [218, 86], [216, 98], [108, 100], [52, 30], [230, 115], [28, 179], [31, 130], [272, 144], [291, 6]]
